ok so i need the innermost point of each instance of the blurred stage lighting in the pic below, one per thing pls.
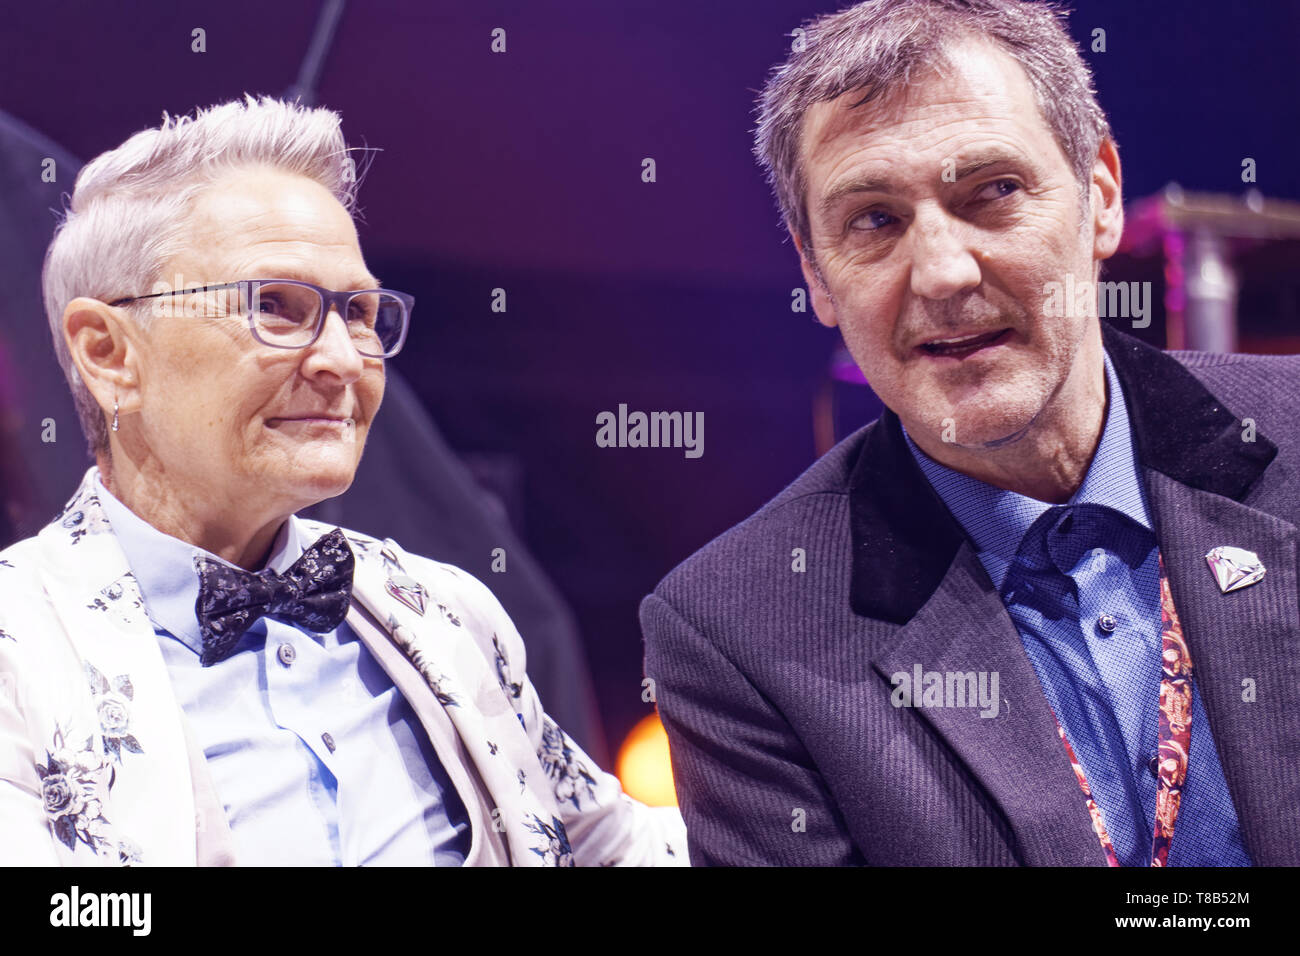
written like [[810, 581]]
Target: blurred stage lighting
[[643, 764]]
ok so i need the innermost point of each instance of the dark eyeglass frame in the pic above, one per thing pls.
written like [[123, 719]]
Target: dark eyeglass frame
[[329, 299]]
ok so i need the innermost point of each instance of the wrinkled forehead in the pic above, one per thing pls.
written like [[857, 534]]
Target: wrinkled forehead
[[269, 204], [963, 90], [262, 219]]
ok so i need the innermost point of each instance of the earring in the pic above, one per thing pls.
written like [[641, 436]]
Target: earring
[[115, 414]]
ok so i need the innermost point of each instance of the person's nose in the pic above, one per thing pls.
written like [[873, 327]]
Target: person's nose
[[334, 352], [943, 258]]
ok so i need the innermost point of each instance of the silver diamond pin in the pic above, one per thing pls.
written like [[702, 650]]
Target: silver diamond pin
[[409, 591], [1234, 568]]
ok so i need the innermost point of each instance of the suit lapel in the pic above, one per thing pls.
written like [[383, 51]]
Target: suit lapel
[[1245, 648], [469, 719], [132, 716], [1016, 755], [914, 566], [450, 749], [1198, 473]]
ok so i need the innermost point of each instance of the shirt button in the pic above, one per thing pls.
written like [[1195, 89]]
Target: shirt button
[[328, 741], [287, 654], [1154, 765], [1107, 623]]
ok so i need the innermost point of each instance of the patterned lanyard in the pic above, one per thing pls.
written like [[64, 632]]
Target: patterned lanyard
[[1175, 734]]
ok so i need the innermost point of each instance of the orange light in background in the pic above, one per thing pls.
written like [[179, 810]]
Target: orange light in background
[[644, 767]]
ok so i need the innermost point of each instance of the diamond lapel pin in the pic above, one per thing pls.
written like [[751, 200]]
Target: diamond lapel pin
[[409, 591], [1234, 568]]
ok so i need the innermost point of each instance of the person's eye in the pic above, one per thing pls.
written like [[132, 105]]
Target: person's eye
[[275, 312], [361, 310], [270, 305], [872, 220], [997, 189]]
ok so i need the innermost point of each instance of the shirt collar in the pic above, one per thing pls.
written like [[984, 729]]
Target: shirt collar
[[164, 566], [996, 519]]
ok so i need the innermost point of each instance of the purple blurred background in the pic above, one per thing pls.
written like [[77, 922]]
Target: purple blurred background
[[522, 171]]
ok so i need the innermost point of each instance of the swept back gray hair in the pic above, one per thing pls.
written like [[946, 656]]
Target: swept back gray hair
[[129, 210], [876, 47]]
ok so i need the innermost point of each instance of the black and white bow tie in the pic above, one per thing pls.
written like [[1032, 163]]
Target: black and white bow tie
[[314, 593]]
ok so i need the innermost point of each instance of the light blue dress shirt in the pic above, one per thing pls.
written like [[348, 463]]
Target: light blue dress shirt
[[316, 756], [1081, 581]]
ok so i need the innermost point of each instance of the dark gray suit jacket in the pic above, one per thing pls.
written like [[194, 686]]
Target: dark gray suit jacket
[[774, 684]]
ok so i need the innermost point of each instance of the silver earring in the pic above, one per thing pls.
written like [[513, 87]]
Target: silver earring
[[115, 414]]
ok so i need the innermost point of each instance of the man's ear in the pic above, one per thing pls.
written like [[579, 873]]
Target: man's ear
[[1107, 202], [823, 305], [99, 339]]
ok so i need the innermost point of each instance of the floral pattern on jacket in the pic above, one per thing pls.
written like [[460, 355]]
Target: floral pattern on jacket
[[553, 847], [569, 775], [112, 704], [74, 788], [93, 752]]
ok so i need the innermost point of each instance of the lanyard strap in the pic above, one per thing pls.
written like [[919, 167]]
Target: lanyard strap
[[1175, 735]]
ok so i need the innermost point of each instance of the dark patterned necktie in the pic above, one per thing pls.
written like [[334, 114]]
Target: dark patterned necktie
[[313, 593]]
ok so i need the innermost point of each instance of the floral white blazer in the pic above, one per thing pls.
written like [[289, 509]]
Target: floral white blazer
[[96, 763]]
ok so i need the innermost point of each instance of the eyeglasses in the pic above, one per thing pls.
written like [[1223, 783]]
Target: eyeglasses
[[288, 314]]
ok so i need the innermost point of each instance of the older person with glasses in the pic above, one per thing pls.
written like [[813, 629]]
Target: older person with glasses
[[189, 672]]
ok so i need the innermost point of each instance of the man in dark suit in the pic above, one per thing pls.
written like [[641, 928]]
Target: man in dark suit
[[1045, 610]]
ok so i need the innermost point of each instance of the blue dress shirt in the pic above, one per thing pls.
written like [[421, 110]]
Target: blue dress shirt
[[1081, 581], [316, 756]]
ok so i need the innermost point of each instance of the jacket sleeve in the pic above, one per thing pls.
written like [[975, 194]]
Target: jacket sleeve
[[749, 791], [25, 838], [605, 827]]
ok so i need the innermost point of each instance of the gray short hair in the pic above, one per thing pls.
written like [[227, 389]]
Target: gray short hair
[[877, 46], [129, 209]]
